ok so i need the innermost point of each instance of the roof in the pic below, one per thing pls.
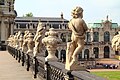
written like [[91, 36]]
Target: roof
[[99, 25], [40, 18]]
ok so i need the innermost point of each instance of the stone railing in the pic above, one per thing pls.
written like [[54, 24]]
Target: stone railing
[[48, 70]]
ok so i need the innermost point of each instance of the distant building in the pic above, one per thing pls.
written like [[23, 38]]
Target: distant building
[[98, 40], [59, 23]]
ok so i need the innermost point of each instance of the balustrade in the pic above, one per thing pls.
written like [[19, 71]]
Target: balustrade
[[49, 70]]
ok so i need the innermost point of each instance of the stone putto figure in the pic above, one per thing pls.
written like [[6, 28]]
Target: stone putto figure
[[30, 43], [11, 40], [24, 46], [38, 39], [78, 27], [116, 42], [20, 42]]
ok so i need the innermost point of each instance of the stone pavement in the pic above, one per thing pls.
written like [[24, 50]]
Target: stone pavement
[[10, 69]]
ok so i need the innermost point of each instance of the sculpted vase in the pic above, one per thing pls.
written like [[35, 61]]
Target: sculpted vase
[[51, 43]]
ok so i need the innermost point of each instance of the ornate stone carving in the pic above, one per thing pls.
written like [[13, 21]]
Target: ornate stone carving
[[20, 42], [17, 39], [116, 42], [24, 46], [11, 40], [38, 39], [51, 42], [78, 27], [30, 43]]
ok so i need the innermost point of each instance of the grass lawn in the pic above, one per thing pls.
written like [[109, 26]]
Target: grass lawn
[[109, 75]]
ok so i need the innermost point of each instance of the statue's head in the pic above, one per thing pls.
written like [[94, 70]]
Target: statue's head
[[77, 12]]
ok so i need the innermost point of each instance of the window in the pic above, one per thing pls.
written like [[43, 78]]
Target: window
[[88, 39], [95, 36], [55, 26], [2, 2], [22, 25], [96, 52], [106, 36]]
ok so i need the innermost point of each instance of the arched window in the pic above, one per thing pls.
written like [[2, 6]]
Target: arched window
[[95, 36], [106, 52], [96, 52], [107, 36], [80, 56], [63, 55], [69, 37], [88, 37], [86, 54]]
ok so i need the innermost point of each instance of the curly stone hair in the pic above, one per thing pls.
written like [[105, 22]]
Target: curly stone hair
[[76, 12]]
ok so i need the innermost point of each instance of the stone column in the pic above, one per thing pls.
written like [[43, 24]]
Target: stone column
[[59, 54], [12, 29], [3, 31]]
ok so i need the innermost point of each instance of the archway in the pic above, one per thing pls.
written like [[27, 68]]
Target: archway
[[106, 52], [96, 52], [86, 53], [80, 56], [63, 55]]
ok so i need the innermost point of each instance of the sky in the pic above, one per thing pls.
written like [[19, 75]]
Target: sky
[[94, 10]]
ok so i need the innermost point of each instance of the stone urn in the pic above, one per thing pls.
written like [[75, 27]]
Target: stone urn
[[51, 43], [30, 43]]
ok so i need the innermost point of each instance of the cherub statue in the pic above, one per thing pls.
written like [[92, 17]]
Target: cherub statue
[[116, 42], [38, 39], [20, 42], [24, 46], [78, 27], [30, 43], [10, 40]]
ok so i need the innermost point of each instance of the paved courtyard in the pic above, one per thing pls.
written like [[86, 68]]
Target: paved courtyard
[[10, 69]]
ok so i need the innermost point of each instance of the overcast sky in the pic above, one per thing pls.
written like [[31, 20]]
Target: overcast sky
[[94, 10]]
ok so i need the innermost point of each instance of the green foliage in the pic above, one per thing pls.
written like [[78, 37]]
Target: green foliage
[[109, 75], [28, 15]]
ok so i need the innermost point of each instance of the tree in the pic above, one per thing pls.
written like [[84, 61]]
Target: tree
[[28, 15]]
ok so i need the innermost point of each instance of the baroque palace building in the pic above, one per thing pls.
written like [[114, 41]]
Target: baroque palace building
[[98, 37], [7, 15], [98, 40]]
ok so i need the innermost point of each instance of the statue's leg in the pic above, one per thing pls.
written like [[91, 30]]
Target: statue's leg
[[80, 46]]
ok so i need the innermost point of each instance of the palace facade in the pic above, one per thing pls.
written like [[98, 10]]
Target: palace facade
[[98, 37], [98, 40]]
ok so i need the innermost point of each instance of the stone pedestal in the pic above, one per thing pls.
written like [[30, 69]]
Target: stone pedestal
[[51, 56], [76, 66]]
